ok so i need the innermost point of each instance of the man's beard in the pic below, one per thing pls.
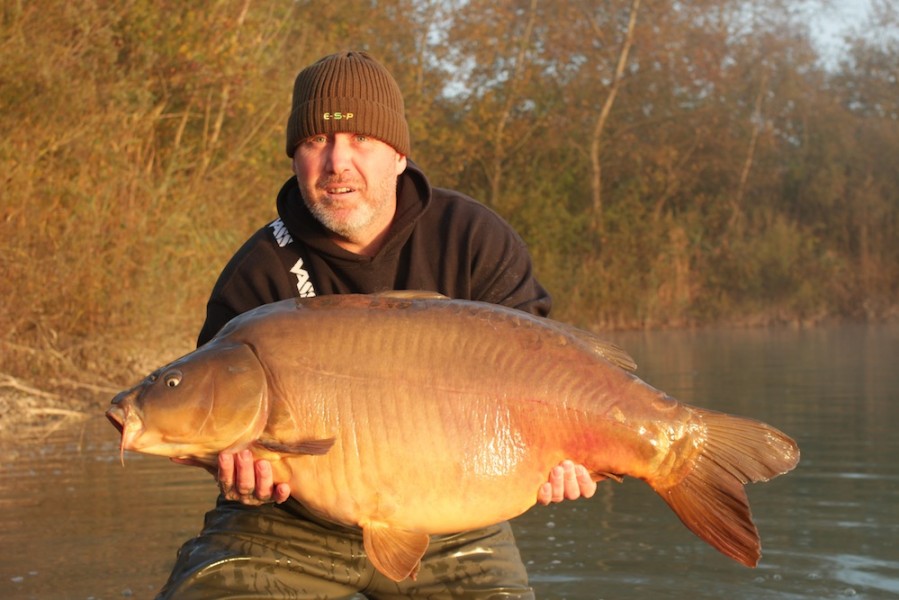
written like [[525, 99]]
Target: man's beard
[[362, 215], [346, 227]]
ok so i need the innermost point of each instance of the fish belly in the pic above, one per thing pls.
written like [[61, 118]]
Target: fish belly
[[443, 421]]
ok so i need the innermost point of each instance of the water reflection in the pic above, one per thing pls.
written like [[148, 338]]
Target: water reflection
[[75, 524], [84, 526]]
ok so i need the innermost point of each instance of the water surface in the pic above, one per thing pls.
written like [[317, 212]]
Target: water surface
[[75, 524]]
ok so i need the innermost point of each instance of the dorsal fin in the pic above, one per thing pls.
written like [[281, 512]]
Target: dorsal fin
[[412, 295], [609, 351]]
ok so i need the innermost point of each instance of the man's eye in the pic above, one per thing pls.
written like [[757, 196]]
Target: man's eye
[[361, 138]]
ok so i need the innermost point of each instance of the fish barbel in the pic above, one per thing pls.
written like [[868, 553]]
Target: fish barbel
[[408, 415]]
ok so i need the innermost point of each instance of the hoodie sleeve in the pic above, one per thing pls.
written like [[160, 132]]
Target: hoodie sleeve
[[502, 272], [253, 277], [495, 261]]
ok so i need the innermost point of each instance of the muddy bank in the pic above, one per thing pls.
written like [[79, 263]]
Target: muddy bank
[[48, 385], [41, 413]]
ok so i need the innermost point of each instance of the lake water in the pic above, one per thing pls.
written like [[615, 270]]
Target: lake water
[[75, 524]]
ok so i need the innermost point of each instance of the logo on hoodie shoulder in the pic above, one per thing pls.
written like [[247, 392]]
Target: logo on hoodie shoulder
[[282, 237], [279, 231], [304, 284]]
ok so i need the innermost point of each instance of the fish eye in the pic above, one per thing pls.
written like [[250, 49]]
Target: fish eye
[[172, 378]]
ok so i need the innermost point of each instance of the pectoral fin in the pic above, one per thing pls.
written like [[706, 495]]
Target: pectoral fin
[[299, 447], [394, 552], [606, 475]]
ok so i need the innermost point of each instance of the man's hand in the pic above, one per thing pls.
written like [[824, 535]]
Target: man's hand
[[567, 481], [249, 481], [244, 479]]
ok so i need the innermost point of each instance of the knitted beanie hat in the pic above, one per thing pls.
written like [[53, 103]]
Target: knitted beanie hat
[[349, 92]]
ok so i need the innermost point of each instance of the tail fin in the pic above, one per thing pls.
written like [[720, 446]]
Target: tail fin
[[711, 500]]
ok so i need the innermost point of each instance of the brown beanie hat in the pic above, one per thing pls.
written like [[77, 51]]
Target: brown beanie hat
[[349, 92]]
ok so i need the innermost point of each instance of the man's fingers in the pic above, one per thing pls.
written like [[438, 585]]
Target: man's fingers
[[264, 484], [244, 473], [545, 494], [570, 488], [241, 477], [585, 483], [281, 493], [567, 481], [557, 479], [226, 473]]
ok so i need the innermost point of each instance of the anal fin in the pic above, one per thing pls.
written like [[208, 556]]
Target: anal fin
[[394, 552]]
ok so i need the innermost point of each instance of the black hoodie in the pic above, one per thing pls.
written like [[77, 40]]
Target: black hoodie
[[439, 240]]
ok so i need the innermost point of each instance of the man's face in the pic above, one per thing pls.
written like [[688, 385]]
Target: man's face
[[348, 182]]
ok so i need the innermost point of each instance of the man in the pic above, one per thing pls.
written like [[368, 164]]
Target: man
[[358, 217]]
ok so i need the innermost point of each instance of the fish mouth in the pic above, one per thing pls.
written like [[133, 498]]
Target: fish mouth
[[128, 424], [116, 416]]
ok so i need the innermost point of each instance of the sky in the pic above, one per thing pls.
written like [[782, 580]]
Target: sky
[[828, 25]]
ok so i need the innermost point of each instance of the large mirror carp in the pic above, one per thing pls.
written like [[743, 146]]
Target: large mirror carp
[[408, 415]]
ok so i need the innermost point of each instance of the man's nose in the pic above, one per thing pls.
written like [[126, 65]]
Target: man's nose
[[340, 153]]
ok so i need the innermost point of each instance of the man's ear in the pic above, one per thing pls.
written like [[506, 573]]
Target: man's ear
[[400, 163]]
